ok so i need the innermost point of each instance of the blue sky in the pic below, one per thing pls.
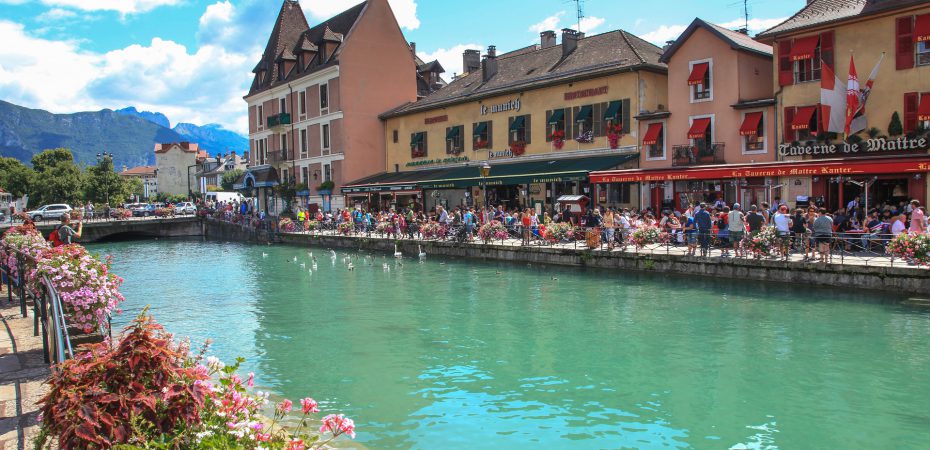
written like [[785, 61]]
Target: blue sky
[[191, 59]]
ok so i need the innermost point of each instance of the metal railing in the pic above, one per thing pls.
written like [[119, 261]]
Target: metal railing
[[696, 155], [48, 312]]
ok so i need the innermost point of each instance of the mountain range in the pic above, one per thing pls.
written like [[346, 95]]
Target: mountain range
[[130, 135]]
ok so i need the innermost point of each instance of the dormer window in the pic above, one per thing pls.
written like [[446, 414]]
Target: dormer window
[[700, 81]]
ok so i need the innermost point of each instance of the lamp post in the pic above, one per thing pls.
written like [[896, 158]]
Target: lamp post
[[101, 158], [190, 193], [485, 172]]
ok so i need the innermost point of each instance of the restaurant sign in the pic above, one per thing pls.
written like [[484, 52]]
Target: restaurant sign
[[436, 119], [585, 93], [866, 146], [429, 162], [513, 105], [379, 188], [498, 154]]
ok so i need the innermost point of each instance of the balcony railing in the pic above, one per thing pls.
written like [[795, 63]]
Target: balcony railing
[[278, 156], [697, 155], [279, 120]]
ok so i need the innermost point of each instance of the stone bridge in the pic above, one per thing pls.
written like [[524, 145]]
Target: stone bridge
[[96, 231]]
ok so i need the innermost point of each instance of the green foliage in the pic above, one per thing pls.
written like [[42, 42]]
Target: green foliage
[[104, 185], [873, 132], [166, 198], [287, 191], [895, 128], [326, 186], [215, 188], [15, 177], [230, 178], [135, 186], [58, 179]]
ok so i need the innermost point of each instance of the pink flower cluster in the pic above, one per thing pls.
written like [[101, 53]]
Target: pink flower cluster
[[23, 240], [337, 425]]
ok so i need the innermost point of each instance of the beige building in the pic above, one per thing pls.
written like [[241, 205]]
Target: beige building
[[146, 174], [541, 117], [176, 165]]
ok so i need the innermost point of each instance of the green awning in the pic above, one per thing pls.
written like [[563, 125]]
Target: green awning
[[583, 114], [416, 139], [452, 133], [482, 127], [613, 111], [518, 123], [557, 116]]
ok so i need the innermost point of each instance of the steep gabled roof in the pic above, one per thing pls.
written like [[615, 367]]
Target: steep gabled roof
[[822, 12], [532, 67], [292, 34], [735, 39]]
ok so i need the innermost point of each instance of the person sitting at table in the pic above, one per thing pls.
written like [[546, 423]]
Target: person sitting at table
[[872, 230]]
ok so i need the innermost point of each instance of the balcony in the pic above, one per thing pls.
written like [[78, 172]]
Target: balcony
[[278, 122], [698, 155], [278, 156]]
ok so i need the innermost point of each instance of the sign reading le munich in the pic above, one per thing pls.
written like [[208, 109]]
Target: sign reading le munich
[[866, 146], [513, 105]]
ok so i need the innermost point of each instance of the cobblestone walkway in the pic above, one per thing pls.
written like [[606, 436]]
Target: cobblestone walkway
[[22, 375]]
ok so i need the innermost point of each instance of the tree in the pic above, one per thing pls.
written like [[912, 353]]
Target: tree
[[895, 128], [58, 179], [15, 177], [230, 178], [104, 185]]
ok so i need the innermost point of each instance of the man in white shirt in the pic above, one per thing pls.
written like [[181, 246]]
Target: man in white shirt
[[782, 222], [898, 226]]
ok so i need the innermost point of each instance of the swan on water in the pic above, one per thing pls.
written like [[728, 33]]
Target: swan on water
[[397, 253], [422, 254]]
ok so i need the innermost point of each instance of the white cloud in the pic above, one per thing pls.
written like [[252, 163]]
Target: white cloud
[[549, 23], [588, 24], [449, 58], [404, 10], [120, 6], [56, 14], [664, 33]]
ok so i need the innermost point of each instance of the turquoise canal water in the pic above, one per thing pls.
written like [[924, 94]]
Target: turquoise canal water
[[484, 355]]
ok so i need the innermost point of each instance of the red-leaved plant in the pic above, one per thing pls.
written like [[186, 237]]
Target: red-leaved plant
[[142, 389]]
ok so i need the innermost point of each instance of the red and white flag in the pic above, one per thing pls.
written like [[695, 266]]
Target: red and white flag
[[852, 95], [832, 101], [859, 121]]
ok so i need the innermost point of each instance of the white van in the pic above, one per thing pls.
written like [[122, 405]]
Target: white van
[[227, 197]]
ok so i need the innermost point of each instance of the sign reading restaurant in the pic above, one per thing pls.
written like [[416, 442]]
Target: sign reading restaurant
[[586, 93], [866, 146], [513, 105], [437, 119]]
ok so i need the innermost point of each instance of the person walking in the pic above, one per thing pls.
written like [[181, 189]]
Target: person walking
[[783, 231], [823, 234], [737, 226], [705, 226], [917, 219]]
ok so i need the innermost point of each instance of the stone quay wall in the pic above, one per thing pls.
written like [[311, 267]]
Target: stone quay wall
[[898, 282]]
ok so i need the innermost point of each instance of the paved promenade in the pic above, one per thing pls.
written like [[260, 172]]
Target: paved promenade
[[22, 376]]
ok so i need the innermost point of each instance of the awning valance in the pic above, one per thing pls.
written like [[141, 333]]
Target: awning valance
[[802, 119], [613, 111], [652, 134], [750, 125], [922, 28], [557, 116], [698, 72], [416, 139], [481, 128], [452, 133], [699, 128], [804, 48], [518, 122], [583, 114], [923, 110]]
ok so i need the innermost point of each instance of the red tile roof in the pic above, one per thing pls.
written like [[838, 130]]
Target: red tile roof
[[141, 170], [821, 12], [189, 147]]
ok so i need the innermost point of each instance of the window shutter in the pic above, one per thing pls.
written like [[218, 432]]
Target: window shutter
[[904, 39], [569, 124], [510, 133], [597, 120], [785, 66], [911, 100], [474, 128], [626, 116], [789, 118], [490, 134], [548, 125], [529, 129], [826, 49]]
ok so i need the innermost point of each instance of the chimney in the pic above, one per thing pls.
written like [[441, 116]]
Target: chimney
[[743, 30], [413, 48], [489, 65], [471, 61], [570, 40], [547, 39]]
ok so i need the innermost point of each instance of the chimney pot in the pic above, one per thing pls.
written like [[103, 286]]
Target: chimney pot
[[489, 65], [471, 61], [547, 39], [570, 40], [413, 47]]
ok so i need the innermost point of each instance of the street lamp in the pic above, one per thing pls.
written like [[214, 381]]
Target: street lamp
[[102, 157], [485, 172]]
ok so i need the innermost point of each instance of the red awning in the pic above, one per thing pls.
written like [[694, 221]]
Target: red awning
[[922, 28], [655, 129], [698, 72], [750, 125], [802, 119], [698, 128], [923, 111], [803, 48]]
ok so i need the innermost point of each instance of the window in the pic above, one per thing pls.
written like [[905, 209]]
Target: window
[[753, 132], [396, 137], [618, 192], [481, 135], [305, 173], [284, 177], [702, 135], [555, 122], [303, 143], [284, 146], [261, 116], [455, 140], [302, 102], [283, 106], [519, 129], [325, 133], [324, 96], [584, 123], [418, 145], [700, 80], [916, 116], [807, 70], [327, 172], [923, 53], [654, 141]]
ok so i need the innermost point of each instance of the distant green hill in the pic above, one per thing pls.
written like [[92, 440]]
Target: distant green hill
[[129, 137]]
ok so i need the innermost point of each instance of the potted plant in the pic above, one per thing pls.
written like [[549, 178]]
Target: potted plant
[[614, 134], [325, 188], [558, 139], [586, 137], [480, 144], [518, 147]]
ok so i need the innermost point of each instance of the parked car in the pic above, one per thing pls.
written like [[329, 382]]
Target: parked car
[[185, 208], [142, 210], [49, 212]]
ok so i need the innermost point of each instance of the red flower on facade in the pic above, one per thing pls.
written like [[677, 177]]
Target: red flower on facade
[[518, 147]]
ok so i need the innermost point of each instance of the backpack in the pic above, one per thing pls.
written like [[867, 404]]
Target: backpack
[[54, 238]]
